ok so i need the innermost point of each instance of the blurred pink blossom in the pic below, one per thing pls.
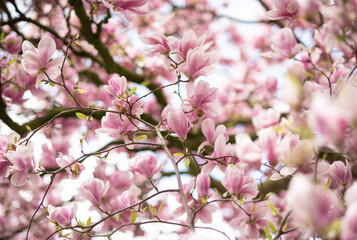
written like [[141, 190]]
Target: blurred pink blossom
[[283, 9], [61, 215], [146, 165], [93, 190]]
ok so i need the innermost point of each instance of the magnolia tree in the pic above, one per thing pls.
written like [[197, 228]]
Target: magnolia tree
[[175, 113]]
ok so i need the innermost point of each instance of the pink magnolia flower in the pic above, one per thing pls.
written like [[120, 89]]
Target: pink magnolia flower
[[24, 165], [37, 61], [145, 165], [201, 100], [313, 206], [125, 5], [269, 141], [248, 152], [4, 166], [61, 215], [349, 223], [205, 213], [203, 183], [158, 42], [116, 126], [341, 173], [222, 152], [12, 43], [74, 170], [179, 123], [132, 105], [93, 190], [239, 184], [266, 118], [211, 133], [129, 197], [283, 44], [198, 63], [117, 86], [189, 41], [329, 118], [283, 9]]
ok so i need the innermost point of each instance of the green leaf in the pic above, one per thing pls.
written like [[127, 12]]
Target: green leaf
[[133, 216], [9, 42], [80, 91], [145, 83], [267, 233], [15, 139], [272, 227], [89, 221], [28, 128], [141, 137], [53, 222], [2, 36], [187, 162], [151, 208], [160, 208], [285, 226], [78, 43], [273, 209], [12, 61], [81, 115], [67, 235], [132, 91], [144, 209], [52, 84], [117, 218], [178, 154]]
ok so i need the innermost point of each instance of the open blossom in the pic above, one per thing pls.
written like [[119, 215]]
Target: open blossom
[[211, 133], [158, 42], [24, 165], [283, 44], [266, 118], [116, 126], [329, 118], [61, 215], [117, 86], [247, 151], [189, 41], [93, 190], [74, 170], [283, 9], [239, 184], [129, 197], [125, 5], [145, 165], [198, 63], [201, 100], [179, 123], [37, 61], [133, 105], [313, 206]]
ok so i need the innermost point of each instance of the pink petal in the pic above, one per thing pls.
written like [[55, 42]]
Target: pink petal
[[46, 48], [19, 178]]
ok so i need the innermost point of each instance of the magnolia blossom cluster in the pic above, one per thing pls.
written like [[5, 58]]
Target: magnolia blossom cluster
[[267, 144], [189, 54]]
